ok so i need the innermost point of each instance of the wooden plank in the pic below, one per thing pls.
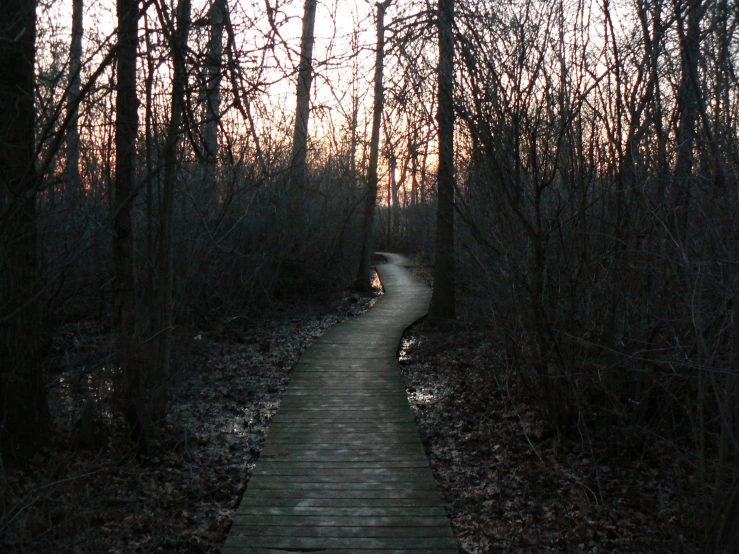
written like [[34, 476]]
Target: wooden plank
[[301, 500], [341, 511], [310, 452], [340, 419], [253, 550], [347, 479], [345, 532], [327, 486], [357, 470], [358, 494], [379, 405], [339, 521], [338, 453], [368, 456], [338, 475], [323, 543], [343, 416], [325, 441], [393, 404], [316, 428], [338, 437], [353, 427]]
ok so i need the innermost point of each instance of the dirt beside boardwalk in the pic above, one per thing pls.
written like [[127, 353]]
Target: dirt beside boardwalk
[[101, 496], [511, 485]]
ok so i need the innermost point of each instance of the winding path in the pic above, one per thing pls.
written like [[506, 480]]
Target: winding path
[[343, 469]]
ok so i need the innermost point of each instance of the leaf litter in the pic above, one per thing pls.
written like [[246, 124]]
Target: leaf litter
[[511, 485], [103, 496]]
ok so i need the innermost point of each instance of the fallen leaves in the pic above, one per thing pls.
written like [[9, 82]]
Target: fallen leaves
[[182, 495], [509, 484]]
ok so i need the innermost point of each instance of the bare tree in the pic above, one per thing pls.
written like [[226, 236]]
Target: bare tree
[[75, 67], [157, 379], [213, 70], [596, 199], [443, 304], [688, 104], [24, 413], [364, 273], [122, 213], [302, 111]]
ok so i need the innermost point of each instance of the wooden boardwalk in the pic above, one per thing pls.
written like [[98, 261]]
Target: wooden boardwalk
[[343, 469]]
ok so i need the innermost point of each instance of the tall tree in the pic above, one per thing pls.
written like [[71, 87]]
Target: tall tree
[[126, 127], [150, 138], [156, 380], [302, 110], [75, 66], [212, 92], [364, 273], [24, 413], [392, 189], [443, 297], [688, 99], [354, 120]]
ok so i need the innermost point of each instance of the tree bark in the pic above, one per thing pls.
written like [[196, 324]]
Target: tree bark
[[151, 178], [75, 66], [157, 381], [24, 412], [126, 126], [399, 185], [302, 110], [355, 108], [364, 273], [687, 100], [443, 297], [214, 62], [389, 193]]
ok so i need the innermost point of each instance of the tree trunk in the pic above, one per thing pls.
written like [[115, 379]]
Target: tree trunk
[[160, 370], [443, 297], [400, 230], [217, 20], [151, 178], [75, 65], [364, 273], [688, 95], [24, 412], [394, 187], [123, 247], [389, 193], [355, 109], [414, 175], [302, 110]]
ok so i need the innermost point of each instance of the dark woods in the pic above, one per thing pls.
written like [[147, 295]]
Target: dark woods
[[599, 201], [581, 160]]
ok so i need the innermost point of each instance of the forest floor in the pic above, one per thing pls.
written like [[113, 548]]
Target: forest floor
[[90, 492], [509, 485]]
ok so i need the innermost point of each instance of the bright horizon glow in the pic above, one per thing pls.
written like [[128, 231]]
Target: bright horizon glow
[[343, 64]]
